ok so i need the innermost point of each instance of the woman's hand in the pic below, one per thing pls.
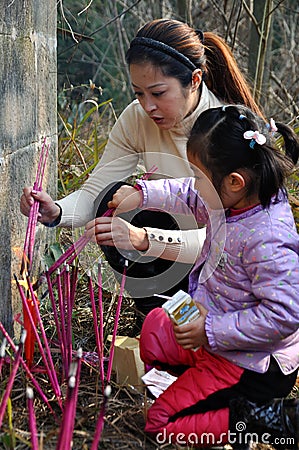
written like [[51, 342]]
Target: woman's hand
[[117, 232], [48, 210], [126, 199], [192, 335]]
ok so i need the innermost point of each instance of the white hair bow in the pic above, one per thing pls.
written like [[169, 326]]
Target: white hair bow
[[256, 137]]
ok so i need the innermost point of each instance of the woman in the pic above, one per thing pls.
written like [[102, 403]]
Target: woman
[[176, 73]]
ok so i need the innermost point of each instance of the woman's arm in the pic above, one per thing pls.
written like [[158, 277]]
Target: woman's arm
[[175, 245]]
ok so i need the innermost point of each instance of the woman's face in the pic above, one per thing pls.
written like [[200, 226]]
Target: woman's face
[[162, 98]]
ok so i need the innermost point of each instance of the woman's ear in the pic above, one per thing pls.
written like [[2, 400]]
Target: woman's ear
[[196, 79], [235, 181]]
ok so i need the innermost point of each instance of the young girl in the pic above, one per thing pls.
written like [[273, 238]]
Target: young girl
[[247, 334]]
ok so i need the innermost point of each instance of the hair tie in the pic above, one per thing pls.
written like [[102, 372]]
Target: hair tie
[[164, 48], [255, 138], [273, 126]]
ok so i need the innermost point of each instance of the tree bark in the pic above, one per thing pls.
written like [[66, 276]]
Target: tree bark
[[28, 114]]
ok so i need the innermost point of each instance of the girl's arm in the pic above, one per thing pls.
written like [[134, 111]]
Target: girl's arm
[[176, 196]]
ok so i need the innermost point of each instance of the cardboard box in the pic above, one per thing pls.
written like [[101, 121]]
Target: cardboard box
[[127, 365]]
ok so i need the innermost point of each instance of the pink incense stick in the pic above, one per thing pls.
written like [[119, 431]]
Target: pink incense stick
[[74, 281], [74, 398], [65, 434], [26, 368], [64, 355], [2, 353], [100, 421], [116, 321], [101, 322], [12, 376], [69, 413], [54, 308], [68, 309], [32, 418], [94, 315], [146, 175]]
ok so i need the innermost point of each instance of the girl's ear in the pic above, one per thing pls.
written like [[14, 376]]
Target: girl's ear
[[236, 181], [196, 79]]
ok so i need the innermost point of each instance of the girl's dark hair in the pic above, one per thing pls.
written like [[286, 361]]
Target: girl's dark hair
[[213, 56], [217, 140]]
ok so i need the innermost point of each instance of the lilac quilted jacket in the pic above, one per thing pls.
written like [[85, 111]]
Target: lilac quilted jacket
[[250, 280]]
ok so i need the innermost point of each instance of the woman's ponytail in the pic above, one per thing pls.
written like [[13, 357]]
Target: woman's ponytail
[[223, 76], [291, 141]]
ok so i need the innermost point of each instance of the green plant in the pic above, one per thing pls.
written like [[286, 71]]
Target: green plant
[[83, 130]]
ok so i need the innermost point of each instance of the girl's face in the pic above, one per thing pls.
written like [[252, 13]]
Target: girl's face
[[163, 98], [233, 190]]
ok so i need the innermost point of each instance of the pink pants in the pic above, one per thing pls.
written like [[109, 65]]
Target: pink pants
[[208, 373]]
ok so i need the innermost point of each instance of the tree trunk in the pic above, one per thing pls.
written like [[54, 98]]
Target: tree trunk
[[260, 47], [28, 114]]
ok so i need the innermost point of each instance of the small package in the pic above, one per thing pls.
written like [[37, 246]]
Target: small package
[[181, 308]]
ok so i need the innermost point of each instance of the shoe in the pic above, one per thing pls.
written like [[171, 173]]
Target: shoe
[[275, 423]]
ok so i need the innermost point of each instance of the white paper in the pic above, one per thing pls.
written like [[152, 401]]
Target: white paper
[[157, 381]]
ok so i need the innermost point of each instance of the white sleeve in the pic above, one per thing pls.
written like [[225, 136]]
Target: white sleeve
[[175, 245]]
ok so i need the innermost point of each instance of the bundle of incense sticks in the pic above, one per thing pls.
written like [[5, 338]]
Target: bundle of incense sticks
[[73, 251], [33, 215], [27, 259]]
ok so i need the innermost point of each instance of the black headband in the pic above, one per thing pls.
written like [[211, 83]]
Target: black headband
[[164, 48]]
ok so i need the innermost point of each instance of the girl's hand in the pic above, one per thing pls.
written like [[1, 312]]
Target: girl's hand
[[192, 335], [48, 210], [116, 232], [126, 199]]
